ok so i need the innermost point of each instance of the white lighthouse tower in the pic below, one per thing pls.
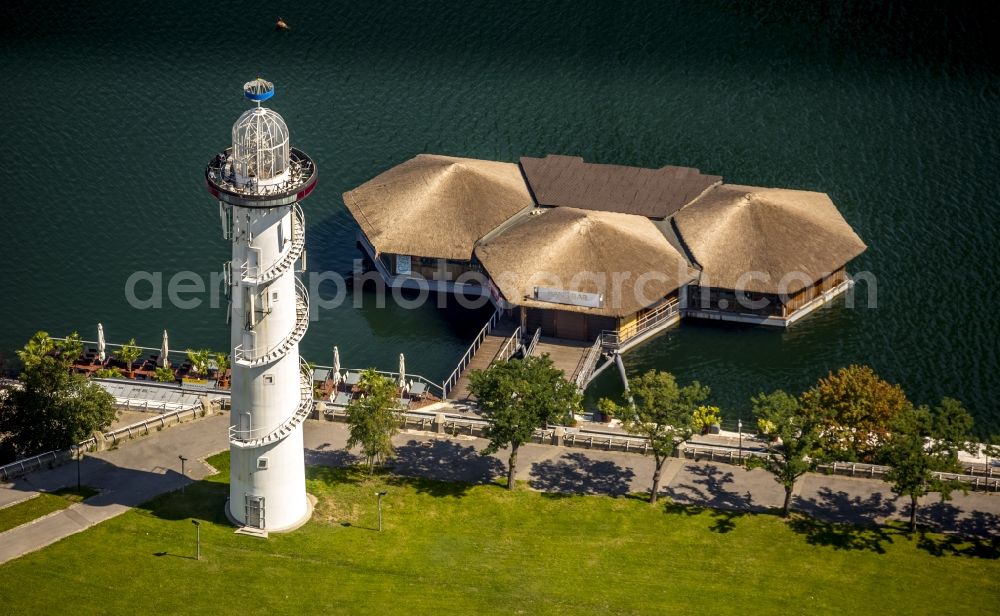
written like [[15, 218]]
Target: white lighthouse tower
[[258, 183]]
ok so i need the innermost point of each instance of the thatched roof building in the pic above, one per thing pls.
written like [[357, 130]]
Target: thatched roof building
[[552, 236], [733, 230], [437, 206], [582, 251]]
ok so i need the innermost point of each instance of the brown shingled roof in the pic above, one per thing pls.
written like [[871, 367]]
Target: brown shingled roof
[[653, 193]]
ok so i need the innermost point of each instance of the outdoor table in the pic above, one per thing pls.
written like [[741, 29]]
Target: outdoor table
[[418, 389], [353, 378]]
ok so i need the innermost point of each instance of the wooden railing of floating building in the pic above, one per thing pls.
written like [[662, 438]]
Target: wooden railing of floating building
[[613, 340]]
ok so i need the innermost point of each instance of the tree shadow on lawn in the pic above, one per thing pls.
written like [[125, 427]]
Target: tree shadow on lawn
[[331, 457], [723, 520], [852, 523], [576, 473], [976, 534], [843, 535], [845, 522], [202, 500], [444, 468]]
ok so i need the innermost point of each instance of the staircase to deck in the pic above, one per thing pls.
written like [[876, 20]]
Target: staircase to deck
[[498, 340]]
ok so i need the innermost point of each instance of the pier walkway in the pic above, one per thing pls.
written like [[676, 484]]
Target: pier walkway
[[576, 359], [503, 336], [500, 339]]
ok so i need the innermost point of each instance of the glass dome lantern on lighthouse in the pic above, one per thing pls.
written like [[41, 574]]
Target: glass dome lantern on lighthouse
[[260, 153]]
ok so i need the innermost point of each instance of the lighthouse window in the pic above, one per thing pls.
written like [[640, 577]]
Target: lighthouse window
[[274, 296], [269, 379], [261, 464]]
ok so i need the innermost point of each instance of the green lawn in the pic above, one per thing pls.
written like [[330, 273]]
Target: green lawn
[[457, 549], [43, 504]]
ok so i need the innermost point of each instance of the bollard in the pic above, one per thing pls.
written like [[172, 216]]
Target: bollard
[[558, 435], [439, 423]]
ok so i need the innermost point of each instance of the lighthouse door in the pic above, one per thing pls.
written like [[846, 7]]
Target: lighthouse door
[[255, 511]]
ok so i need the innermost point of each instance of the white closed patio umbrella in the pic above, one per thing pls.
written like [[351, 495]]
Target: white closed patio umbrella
[[402, 372], [162, 361], [336, 366], [101, 346]]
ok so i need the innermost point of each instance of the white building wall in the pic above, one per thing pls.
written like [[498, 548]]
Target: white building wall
[[265, 396]]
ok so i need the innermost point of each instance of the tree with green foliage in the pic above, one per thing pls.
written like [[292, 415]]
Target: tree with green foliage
[[793, 433], [374, 418], [199, 360], [924, 442], [41, 345], [657, 408], [518, 396], [128, 354], [164, 374], [858, 409], [51, 408]]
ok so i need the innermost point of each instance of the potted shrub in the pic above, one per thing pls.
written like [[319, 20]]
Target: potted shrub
[[705, 417]]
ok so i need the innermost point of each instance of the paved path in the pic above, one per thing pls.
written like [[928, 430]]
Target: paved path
[[126, 477], [723, 486], [142, 469]]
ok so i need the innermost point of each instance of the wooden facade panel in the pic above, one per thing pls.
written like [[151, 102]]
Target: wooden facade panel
[[808, 294], [568, 325]]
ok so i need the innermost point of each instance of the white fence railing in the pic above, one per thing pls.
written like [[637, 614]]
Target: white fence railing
[[587, 365], [509, 348], [26, 465], [530, 348], [157, 421], [456, 374]]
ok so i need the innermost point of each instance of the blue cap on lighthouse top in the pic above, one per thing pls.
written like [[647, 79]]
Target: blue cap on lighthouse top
[[258, 90]]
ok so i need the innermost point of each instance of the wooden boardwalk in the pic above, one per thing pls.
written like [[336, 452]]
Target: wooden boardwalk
[[483, 358], [566, 355]]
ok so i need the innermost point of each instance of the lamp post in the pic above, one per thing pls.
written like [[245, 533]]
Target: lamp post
[[79, 456], [197, 540], [739, 426], [183, 460], [380, 495]]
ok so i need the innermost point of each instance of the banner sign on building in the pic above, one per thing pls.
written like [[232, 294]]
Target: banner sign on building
[[569, 298]]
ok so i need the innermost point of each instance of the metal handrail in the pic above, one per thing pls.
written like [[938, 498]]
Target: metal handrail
[[144, 424], [298, 331], [298, 244], [452, 379], [528, 350], [258, 436], [394, 375], [612, 339], [587, 364], [26, 464], [510, 347]]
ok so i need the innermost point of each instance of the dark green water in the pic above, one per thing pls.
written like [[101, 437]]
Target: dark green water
[[112, 111]]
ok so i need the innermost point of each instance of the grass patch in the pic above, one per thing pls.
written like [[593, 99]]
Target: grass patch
[[458, 549], [41, 505]]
